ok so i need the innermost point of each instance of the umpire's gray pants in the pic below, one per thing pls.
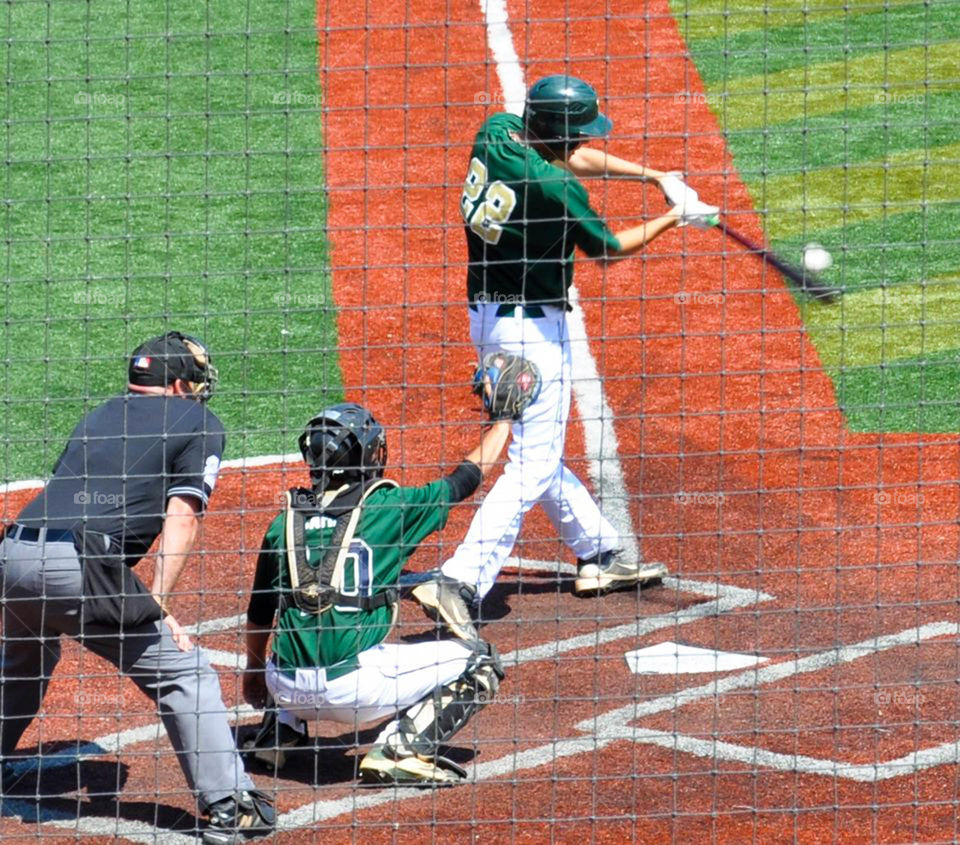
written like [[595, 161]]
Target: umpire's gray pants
[[41, 588]]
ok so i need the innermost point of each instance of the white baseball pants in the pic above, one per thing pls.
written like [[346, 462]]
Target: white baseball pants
[[391, 677], [535, 472]]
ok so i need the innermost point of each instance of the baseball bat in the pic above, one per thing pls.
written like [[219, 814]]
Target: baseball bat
[[807, 282]]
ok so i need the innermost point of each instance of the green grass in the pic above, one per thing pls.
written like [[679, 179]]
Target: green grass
[[904, 395], [817, 40], [156, 178], [841, 119], [706, 19]]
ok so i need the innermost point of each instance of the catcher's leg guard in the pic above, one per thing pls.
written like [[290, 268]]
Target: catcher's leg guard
[[447, 601], [410, 755]]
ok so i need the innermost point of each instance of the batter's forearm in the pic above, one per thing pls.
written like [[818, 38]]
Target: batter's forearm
[[634, 239], [587, 162]]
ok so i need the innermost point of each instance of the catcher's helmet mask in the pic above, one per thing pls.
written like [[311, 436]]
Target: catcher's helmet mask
[[172, 357], [562, 112], [343, 444]]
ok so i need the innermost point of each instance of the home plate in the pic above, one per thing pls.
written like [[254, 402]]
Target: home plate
[[679, 659]]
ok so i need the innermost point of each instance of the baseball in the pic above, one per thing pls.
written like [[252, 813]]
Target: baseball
[[816, 259]]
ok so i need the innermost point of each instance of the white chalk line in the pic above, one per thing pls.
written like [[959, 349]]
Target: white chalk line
[[615, 724]]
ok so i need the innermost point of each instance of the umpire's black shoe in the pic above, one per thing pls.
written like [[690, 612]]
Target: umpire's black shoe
[[448, 601], [608, 571], [246, 815]]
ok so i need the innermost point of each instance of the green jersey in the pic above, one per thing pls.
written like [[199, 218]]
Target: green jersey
[[524, 216], [393, 522]]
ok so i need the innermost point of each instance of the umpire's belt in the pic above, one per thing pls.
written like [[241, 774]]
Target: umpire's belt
[[508, 309], [34, 535]]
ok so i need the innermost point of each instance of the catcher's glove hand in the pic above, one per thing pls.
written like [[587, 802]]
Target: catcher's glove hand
[[507, 384]]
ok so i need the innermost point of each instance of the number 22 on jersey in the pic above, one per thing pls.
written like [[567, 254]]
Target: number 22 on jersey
[[496, 203]]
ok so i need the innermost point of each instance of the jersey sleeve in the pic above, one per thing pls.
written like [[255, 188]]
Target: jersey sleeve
[[588, 230], [417, 511], [265, 594], [196, 465]]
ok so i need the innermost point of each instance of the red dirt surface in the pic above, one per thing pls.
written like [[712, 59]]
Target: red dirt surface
[[718, 396]]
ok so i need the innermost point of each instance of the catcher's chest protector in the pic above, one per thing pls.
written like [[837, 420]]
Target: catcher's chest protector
[[316, 589]]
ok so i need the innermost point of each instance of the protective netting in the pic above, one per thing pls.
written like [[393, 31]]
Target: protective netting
[[286, 182]]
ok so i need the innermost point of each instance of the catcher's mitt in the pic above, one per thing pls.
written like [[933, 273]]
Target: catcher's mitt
[[507, 384]]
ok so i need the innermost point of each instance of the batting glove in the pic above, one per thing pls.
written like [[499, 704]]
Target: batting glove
[[676, 191], [697, 214]]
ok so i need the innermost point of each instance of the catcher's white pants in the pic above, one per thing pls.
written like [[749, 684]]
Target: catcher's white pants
[[391, 677], [535, 472]]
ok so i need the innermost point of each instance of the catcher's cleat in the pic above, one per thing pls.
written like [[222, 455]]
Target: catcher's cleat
[[379, 767], [247, 815], [273, 742], [446, 600], [608, 571]]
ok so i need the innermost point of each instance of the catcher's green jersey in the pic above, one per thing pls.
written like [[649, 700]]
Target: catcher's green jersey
[[524, 216], [392, 524]]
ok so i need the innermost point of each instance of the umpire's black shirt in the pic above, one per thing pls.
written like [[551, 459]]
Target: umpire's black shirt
[[121, 464]]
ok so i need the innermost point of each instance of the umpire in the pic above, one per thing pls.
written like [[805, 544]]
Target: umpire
[[139, 466]]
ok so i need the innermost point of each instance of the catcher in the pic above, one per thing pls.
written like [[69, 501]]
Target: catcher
[[326, 589]]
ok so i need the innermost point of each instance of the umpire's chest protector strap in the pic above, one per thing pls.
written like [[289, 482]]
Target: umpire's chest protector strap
[[314, 589]]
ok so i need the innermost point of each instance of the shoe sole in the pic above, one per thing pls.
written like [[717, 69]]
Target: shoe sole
[[426, 595], [603, 584], [390, 777]]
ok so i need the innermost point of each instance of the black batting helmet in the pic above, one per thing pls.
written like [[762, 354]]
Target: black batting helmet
[[343, 444]]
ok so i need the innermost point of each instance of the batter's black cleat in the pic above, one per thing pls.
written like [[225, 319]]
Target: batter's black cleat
[[448, 601], [608, 571], [274, 742], [247, 815]]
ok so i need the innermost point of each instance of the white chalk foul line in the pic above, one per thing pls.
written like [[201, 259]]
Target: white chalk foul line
[[726, 598], [612, 727], [615, 724]]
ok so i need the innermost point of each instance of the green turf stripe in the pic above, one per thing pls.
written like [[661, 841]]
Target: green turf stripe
[[881, 325], [916, 394], [769, 51], [838, 196], [896, 250], [701, 19], [897, 75], [158, 182], [848, 137]]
